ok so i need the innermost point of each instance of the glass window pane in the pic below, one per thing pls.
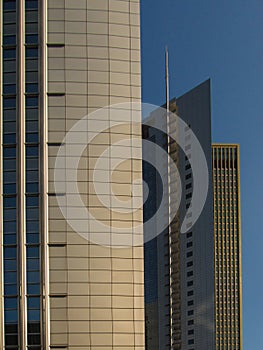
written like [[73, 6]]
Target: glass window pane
[[9, 202], [9, 139], [9, 102], [9, 252], [9, 227], [31, 4], [32, 252], [32, 39], [32, 101], [32, 88], [9, 188], [10, 5], [9, 40], [32, 137], [10, 239], [9, 53], [11, 316]]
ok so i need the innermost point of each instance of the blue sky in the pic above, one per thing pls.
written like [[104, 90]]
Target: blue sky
[[223, 41]]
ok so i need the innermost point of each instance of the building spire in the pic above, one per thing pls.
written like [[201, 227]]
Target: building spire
[[167, 79]]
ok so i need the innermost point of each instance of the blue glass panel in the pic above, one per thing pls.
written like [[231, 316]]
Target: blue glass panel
[[32, 238], [9, 164], [9, 152], [9, 252], [11, 303], [32, 101], [33, 302], [9, 227], [9, 127], [31, 126], [11, 316], [9, 53], [32, 151], [9, 40], [32, 88], [32, 227], [33, 264], [32, 187], [32, 213], [10, 5], [33, 289], [31, 4], [33, 315], [31, 114], [9, 176], [10, 239], [32, 252], [9, 29], [32, 52], [9, 139], [9, 102], [10, 202], [31, 65], [32, 201], [9, 115], [9, 188], [32, 163], [10, 277], [31, 16], [31, 28], [33, 277], [10, 289], [9, 214], [10, 89], [10, 264], [32, 137], [10, 17], [32, 39], [32, 77], [9, 66], [32, 176]]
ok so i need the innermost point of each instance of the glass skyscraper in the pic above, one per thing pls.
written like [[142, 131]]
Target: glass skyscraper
[[61, 60], [179, 267], [228, 254]]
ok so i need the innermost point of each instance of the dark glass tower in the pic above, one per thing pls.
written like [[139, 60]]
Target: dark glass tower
[[179, 267]]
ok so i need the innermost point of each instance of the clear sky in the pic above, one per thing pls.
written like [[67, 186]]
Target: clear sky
[[222, 40]]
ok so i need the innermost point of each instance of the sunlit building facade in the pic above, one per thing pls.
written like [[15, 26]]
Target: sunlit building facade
[[61, 60], [228, 254]]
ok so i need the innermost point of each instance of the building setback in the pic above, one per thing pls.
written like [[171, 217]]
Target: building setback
[[61, 60], [227, 226]]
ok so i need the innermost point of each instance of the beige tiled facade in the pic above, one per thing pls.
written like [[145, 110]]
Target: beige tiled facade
[[92, 296], [227, 226]]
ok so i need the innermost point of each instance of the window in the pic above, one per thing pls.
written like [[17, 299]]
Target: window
[[190, 273], [189, 264], [190, 303], [190, 332], [190, 322], [190, 293], [190, 283], [189, 244], [191, 341], [188, 196], [189, 254], [189, 234], [190, 312]]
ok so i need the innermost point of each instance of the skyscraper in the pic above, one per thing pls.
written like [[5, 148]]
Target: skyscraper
[[179, 267], [227, 226], [62, 60]]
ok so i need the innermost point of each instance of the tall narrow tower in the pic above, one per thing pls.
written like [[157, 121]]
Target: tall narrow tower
[[227, 227], [61, 60]]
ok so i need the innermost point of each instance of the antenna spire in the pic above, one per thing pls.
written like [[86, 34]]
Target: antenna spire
[[167, 79]]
